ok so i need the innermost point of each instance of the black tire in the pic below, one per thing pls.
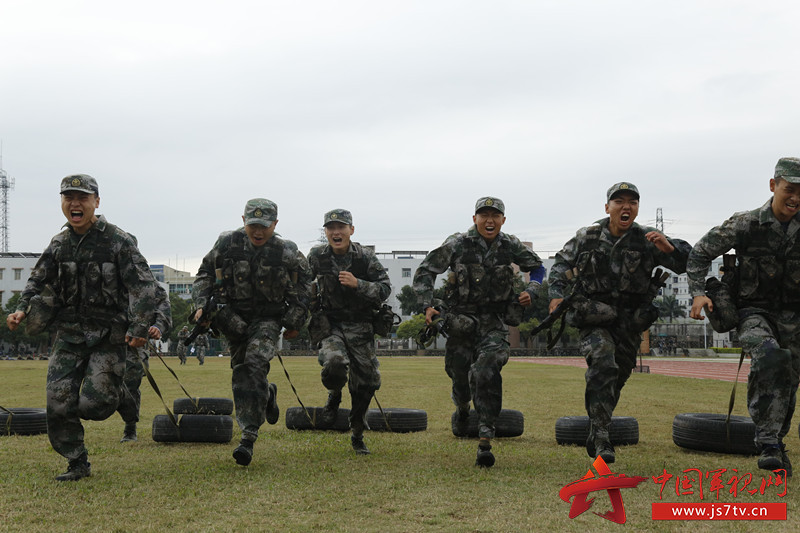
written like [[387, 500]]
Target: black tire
[[24, 421], [164, 430], [206, 428], [205, 406], [297, 419], [706, 432], [510, 423], [624, 430], [400, 420]]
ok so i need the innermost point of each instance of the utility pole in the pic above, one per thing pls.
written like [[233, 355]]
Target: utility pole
[[6, 184]]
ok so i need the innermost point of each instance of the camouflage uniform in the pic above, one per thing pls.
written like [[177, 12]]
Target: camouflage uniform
[[266, 288], [768, 302], [347, 353], [200, 347], [130, 400], [615, 272], [181, 349], [105, 290], [479, 290]]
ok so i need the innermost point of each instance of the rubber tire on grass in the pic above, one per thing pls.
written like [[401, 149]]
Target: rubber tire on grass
[[706, 432], [164, 430], [205, 406], [297, 419], [624, 430], [510, 423], [400, 420], [24, 421], [206, 428]]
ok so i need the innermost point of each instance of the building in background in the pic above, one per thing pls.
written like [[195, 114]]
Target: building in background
[[178, 281]]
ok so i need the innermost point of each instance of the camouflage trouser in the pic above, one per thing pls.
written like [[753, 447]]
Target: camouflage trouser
[[610, 358], [131, 396], [83, 383], [348, 356], [181, 352], [200, 353], [474, 364], [771, 341], [250, 358]]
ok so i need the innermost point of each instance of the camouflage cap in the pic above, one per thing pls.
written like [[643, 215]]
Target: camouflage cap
[[338, 215], [260, 211], [623, 186], [81, 183], [490, 201], [788, 168]]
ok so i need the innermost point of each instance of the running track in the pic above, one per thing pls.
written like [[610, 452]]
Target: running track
[[723, 369]]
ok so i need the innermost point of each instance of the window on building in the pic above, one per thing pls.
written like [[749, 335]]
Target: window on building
[[406, 272], [1, 272], [17, 273]]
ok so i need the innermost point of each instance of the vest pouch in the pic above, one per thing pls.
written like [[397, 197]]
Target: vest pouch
[[513, 313], [725, 315], [590, 313], [42, 312], [460, 325], [319, 328], [644, 317], [230, 324], [242, 286], [382, 320]]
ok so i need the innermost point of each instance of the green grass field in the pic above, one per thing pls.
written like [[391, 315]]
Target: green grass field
[[426, 481]]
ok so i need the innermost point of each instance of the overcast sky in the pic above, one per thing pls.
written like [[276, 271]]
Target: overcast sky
[[403, 112]]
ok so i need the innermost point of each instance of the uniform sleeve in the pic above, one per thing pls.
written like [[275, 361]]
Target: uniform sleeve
[[206, 276], [435, 263], [527, 261], [163, 311], [45, 272], [140, 286], [565, 261], [675, 260], [716, 242], [298, 296], [377, 287]]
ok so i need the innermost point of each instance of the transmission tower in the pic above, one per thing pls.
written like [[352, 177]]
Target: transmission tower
[[659, 220], [6, 184]]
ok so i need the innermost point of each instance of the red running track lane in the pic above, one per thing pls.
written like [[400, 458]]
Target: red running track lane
[[719, 369]]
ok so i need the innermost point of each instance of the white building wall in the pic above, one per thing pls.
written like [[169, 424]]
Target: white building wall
[[15, 269]]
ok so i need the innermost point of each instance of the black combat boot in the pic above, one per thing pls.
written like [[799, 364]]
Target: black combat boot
[[331, 409], [273, 412], [358, 445], [603, 448], [130, 432], [485, 458], [78, 469], [244, 452], [771, 457]]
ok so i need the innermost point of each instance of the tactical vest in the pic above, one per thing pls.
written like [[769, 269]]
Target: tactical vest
[[340, 303], [768, 276], [601, 283], [471, 286], [255, 284], [89, 283]]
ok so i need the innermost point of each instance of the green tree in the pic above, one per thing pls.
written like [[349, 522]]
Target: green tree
[[408, 329], [669, 307], [408, 301], [409, 304], [180, 309]]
